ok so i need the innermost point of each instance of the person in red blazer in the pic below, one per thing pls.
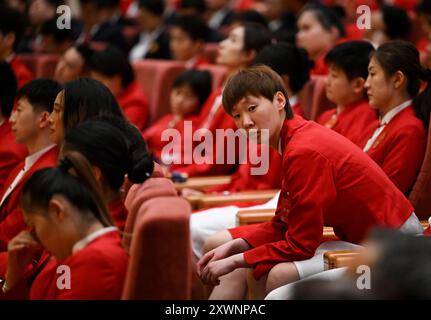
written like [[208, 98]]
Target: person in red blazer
[[324, 176], [292, 64], [12, 28], [319, 29], [111, 67], [31, 127], [115, 148], [236, 52], [11, 153], [22, 73], [189, 92], [188, 34], [353, 118], [67, 217], [399, 140]]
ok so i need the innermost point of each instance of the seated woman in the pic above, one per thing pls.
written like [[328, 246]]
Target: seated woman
[[80, 100], [68, 217], [319, 29], [352, 118], [111, 67], [399, 140], [73, 64], [189, 92], [188, 34], [292, 64], [105, 142], [389, 23]]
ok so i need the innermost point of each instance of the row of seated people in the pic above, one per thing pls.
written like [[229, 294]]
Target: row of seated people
[[54, 131], [84, 231], [402, 128], [373, 96]]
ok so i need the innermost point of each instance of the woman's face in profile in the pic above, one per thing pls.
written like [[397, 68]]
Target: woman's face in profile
[[56, 119]]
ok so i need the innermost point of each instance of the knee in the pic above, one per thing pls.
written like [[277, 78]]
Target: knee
[[280, 275], [216, 240]]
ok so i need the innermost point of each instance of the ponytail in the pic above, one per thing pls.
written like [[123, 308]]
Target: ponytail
[[84, 172], [422, 102], [72, 179]]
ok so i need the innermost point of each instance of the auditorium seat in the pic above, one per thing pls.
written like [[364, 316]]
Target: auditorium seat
[[156, 78], [320, 102], [138, 195], [218, 74], [420, 196], [42, 65], [160, 253], [313, 98], [210, 51]]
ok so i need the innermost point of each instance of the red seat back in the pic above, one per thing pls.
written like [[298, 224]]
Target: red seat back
[[420, 196], [156, 78], [210, 51], [42, 65], [160, 254], [218, 74], [138, 195]]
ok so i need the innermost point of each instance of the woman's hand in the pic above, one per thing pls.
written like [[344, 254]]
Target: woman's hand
[[21, 251], [225, 250], [215, 269]]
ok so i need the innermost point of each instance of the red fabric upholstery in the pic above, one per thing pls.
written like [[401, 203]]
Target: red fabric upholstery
[[313, 98], [139, 194], [156, 78], [160, 259], [420, 196], [42, 65], [211, 51], [218, 74]]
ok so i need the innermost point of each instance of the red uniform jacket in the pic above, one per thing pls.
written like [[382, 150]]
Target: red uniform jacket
[[320, 68], [400, 149], [98, 272], [198, 62], [211, 119], [327, 181], [297, 109], [119, 213], [427, 232], [11, 218], [243, 180], [11, 153], [356, 122], [153, 135], [135, 105], [22, 73]]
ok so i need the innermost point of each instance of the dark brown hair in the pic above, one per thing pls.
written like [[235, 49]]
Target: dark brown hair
[[80, 188], [257, 81], [403, 56]]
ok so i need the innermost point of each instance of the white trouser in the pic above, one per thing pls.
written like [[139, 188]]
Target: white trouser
[[286, 292], [315, 264], [208, 222]]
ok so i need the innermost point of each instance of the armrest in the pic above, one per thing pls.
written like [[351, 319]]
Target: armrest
[[246, 217], [200, 183], [217, 200], [340, 258]]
